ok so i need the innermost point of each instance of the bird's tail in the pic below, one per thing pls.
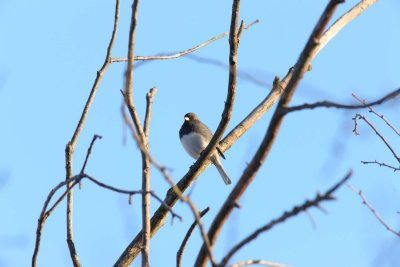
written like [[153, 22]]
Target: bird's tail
[[221, 170]]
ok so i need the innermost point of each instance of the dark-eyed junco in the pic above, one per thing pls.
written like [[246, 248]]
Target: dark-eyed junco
[[195, 137]]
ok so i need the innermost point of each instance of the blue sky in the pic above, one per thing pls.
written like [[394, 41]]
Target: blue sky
[[50, 53]]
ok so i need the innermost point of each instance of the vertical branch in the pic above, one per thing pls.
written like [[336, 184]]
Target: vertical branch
[[128, 95], [146, 182], [69, 149], [142, 140], [149, 111]]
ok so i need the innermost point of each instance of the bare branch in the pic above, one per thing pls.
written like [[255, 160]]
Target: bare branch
[[89, 152], [381, 164], [362, 117], [149, 99], [45, 213], [258, 262], [343, 21], [327, 196], [328, 104], [187, 236], [377, 114], [185, 52], [372, 209]]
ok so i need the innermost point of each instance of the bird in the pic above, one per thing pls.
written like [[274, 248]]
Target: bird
[[195, 136]]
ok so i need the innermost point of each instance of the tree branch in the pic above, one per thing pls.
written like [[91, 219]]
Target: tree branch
[[328, 104], [257, 262], [182, 53], [327, 196], [362, 117], [372, 209], [45, 213], [187, 236], [89, 151], [377, 114], [381, 164]]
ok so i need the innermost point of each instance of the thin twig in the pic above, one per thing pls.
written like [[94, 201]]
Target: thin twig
[[328, 104], [362, 117], [185, 52], [258, 262], [149, 99], [373, 210], [377, 114], [381, 164], [327, 196], [187, 236], [89, 152]]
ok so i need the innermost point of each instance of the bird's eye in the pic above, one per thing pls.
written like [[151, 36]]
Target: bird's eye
[[187, 118]]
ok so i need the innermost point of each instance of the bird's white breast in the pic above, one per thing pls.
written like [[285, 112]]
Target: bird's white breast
[[194, 144]]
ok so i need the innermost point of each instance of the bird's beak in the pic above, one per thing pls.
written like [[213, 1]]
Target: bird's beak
[[187, 119]]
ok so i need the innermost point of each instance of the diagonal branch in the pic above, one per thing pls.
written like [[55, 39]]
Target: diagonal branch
[[377, 114], [362, 117], [373, 210], [327, 196]]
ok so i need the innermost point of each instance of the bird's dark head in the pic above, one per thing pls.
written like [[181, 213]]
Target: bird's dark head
[[191, 117]]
